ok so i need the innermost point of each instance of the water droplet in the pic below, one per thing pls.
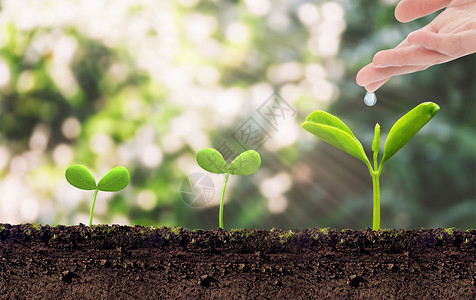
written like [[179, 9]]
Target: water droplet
[[370, 99]]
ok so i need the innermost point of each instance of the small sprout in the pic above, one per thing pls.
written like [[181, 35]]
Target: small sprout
[[335, 132], [212, 161], [80, 177]]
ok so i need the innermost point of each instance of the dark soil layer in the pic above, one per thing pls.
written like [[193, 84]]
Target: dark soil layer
[[120, 262]]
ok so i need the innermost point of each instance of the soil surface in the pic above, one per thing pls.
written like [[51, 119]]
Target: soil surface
[[121, 262]]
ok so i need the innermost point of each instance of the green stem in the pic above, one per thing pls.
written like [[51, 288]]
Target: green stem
[[92, 207], [223, 201], [376, 188], [375, 173]]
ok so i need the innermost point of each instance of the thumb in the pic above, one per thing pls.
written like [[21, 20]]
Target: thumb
[[454, 45]]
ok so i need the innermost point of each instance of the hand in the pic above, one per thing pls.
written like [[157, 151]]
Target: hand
[[452, 34]]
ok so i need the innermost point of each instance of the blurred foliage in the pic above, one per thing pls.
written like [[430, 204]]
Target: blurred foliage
[[147, 84]]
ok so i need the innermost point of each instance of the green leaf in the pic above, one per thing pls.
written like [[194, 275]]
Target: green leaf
[[407, 126], [246, 163], [376, 141], [335, 132], [325, 118], [212, 161], [115, 180], [79, 176]]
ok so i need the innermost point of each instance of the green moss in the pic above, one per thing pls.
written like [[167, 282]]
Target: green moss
[[391, 232], [323, 231], [449, 231], [176, 230], [286, 236], [37, 227], [248, 233], [3, 230], [242, 232], [102, 228], [235, 234]]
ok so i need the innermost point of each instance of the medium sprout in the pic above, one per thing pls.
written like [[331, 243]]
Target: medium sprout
[[212, 161]]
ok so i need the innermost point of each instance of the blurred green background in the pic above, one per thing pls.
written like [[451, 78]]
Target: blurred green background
[[147, 84]]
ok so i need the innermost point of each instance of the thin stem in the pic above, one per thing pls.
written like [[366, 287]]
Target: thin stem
[[92, 207], [223, 201]]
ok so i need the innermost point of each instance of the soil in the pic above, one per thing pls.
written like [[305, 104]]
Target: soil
[[121, 262]]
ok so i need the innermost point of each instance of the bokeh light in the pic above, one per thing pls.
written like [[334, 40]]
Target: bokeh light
[[147, 84]]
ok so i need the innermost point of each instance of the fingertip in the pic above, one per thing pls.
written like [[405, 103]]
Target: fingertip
[[370, 90], [359, 78], [401, 12], [374, 86]]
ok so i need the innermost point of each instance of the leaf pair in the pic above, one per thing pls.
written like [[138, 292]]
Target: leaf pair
[[336, 133], [212, 161], [115, 180]]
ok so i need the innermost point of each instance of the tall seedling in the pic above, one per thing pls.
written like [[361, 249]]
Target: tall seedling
[[335, 132]]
